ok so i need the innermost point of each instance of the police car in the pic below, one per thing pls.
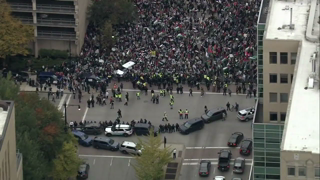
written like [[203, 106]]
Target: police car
[[246, 114]]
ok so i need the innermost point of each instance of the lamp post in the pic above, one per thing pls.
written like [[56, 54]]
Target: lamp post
[[65, 114]]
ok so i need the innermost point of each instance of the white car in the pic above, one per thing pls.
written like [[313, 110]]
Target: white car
[[119, 130], [246, 114], [219, 178], [128, 147]]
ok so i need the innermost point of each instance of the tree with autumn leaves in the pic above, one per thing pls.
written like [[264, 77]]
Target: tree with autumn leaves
[[14, 36], [46, 148]]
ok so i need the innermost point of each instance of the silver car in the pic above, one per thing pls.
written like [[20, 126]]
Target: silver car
[[246, 114], [239, 165], [128, 147]]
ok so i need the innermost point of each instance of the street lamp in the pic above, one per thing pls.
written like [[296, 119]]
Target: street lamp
[[65, 114]]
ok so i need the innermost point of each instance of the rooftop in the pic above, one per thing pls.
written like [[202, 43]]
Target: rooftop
[[5, 113], [264, 11], [301, 132]]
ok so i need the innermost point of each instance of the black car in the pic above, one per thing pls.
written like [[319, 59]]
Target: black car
[[246, 147], [191, 126], [235, 139], [144, 129], [91, 129], [214, 115], [105, 143], [204, 169], [224, 160], [83, 172]]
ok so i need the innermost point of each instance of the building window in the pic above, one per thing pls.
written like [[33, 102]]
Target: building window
[[273, 97], [302, 171], [317, 172], [283, 78], [273, 116], [273, 57], [291, 171], [293, 58], [273, 78], [291, 78], [283, 97], [283, 58], [283, 116]]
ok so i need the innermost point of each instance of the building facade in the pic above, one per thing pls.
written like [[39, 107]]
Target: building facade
[[58, 24], [287, 37], [10, 160]]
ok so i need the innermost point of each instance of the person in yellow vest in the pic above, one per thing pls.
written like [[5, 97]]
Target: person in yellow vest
[[120, 97], [117, 97], [161, 92], [186, 114], [152, 97], [164, 92], [138, 95], [180, 114], [171, 104], [171, 97]]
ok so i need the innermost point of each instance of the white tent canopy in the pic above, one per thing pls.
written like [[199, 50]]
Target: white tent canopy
[[128, 65]]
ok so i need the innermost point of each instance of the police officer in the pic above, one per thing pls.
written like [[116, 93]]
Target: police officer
[[138, 95], [88, 102], [171, 104], [180, 114], [186, 114]]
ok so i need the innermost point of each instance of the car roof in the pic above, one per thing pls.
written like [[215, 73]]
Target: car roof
[[191, 121], [83, 167], [121, 126], [92, 125], [246, 142], [237, 133], [102, 139], [142, 125], [128, 143], [218, 109], [78, 133]]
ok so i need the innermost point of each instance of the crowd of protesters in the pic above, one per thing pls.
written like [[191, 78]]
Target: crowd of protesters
[[175, 42]]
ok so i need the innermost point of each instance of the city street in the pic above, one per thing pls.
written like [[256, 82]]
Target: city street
[[204, 144], [110, 168]]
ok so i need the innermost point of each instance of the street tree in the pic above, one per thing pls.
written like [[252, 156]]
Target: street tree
[[14, 36], [115, 11], [150, 165], [67, 162], [107, 39], [40, 132]]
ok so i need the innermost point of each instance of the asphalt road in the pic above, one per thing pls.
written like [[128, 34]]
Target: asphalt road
[[108, 168], [204, 144]]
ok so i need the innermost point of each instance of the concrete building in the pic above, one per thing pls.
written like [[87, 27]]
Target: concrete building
[[288, 91], [59, 24], [10, 160]]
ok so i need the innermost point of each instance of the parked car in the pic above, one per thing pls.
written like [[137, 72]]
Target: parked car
[[105, 143], [204, 169], [144, 129], [83, 139], [91, 129], [219, 178], [235, 139], [224, 160], [128, 147], [246, 147], [236, 178], [191, 126], [214, 115], [246, 114], [119, 130], [239, 165], [83, 172]]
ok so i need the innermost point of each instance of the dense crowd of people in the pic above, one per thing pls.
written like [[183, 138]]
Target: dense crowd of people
[[180, 42]]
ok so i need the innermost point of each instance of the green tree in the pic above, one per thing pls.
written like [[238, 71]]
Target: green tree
[[115, 11], [67, 162], [107, 39], [14, 36], [150, 165], [39, 132]]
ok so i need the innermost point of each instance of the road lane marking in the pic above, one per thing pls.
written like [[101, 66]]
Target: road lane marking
[[129, 162], [61, 102], [213, 163], [213, 159], [68, 101], [94, 161], [212, 147], [251, 170], [102, 156], [214, 170], [85, 114], [185, 92], [111, 162]]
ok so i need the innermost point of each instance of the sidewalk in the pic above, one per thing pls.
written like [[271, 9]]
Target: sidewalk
[[172, 170]]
